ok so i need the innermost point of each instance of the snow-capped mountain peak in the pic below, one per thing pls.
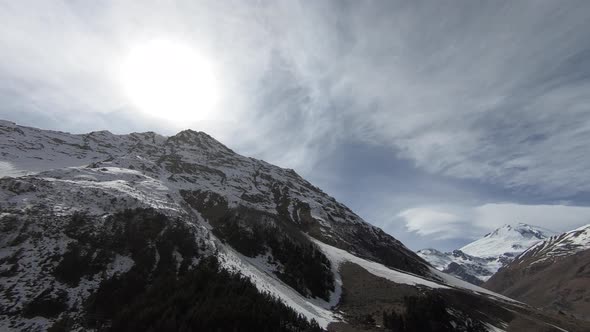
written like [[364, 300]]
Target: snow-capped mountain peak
[[525, 230], [507, 240]]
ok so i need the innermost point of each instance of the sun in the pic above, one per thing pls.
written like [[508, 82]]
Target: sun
[[170, 80]]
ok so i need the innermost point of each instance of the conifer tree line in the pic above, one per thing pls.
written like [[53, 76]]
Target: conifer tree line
[[301, 264]]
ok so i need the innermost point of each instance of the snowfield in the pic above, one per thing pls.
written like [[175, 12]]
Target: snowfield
[[339, 256], [507, 240], [458, 283], [264, 279]]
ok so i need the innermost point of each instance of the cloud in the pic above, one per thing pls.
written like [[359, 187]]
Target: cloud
[[432, 222], [485, 94], [481, 95], [471, 222]]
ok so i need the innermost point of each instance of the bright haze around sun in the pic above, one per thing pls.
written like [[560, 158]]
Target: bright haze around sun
[[170, 80], [436, 121]]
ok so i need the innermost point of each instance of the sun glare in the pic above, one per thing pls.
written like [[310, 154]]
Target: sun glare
[[170, 80]]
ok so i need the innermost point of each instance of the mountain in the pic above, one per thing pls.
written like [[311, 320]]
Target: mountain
[[469, 268], [143, 232], [553, 274], [506, 242], [479, 260]]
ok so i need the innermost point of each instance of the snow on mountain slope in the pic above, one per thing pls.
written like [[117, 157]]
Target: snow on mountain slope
[[470, 268], [191, 161], [507, 241], [566, 244], [479, 260], [30, 150], [257, 269], [461, 284], [266, 281], [338, 256]]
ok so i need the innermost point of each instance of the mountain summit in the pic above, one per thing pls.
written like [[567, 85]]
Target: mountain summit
[[507, 241]]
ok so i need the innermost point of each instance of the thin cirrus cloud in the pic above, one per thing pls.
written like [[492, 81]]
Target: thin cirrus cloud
[[433, 223], [497, 93]]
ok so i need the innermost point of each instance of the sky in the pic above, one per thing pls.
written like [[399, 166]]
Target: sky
[[437, 121]]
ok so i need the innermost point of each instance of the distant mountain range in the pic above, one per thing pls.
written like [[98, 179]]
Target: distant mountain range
[[479, 260]]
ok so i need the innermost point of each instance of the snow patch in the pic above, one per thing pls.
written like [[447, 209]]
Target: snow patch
[[120, 265], [507, 240], [458, 283], [492, 328], [339, 256], [267, 282], [7, 169]]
